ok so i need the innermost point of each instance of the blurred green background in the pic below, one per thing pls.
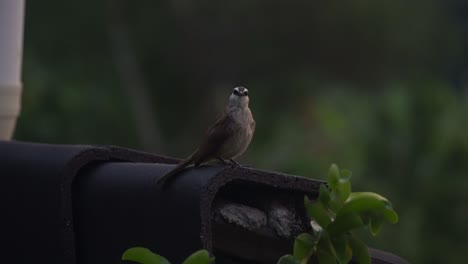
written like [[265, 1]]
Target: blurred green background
[[379, 87]]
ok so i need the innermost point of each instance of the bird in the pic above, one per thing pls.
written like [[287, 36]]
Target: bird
[[226, 139]]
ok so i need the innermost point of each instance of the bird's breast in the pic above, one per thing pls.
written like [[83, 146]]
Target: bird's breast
[[241, 131]]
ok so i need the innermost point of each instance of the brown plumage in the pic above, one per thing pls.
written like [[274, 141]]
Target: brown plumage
[[227, 138]]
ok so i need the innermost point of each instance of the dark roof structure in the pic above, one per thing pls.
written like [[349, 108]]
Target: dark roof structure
[[88, 204]]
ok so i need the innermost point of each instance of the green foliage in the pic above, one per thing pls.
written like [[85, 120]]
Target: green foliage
[[304, 246], [199, 257], [403, 139], [359, 249], [145, 256], [335, 215]]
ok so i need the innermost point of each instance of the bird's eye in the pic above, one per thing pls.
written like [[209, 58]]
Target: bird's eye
[[246, 93], [236, 92]]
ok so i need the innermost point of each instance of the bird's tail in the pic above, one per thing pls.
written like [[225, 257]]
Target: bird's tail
[[182, 165]]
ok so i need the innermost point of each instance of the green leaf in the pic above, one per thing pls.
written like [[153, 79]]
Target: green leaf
[[333, 176], [288, 259], [368, 201], [325, 245], [384, 213], [345, 223], [375, 225], [199, 257], [389, 214], [304, 246], [344, 184], [339, 183], [324, 194], [325, 258], [366, 218], [343, 250], [143, 256], [335, 204], [318, 212], [360, 250]]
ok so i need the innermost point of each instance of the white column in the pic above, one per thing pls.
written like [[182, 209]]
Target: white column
[[11, 53]]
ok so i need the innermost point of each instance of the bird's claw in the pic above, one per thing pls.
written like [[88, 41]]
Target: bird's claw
[[234, 162], [221, 161], [231, 162]]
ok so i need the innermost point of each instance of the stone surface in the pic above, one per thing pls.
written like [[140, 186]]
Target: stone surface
[[243, 216], [284, 221]]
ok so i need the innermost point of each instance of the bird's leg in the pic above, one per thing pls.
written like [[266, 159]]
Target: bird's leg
[[221, 161], [234, 162]]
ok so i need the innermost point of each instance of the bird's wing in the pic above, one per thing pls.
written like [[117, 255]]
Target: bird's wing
[[252, 125], [215, 137]]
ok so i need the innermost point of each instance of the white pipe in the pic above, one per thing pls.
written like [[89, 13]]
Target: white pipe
[[11, 53]]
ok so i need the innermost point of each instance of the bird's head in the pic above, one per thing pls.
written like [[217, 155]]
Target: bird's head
[[239, 97]]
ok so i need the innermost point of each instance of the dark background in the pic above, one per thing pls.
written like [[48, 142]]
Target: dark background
[[379, 87]]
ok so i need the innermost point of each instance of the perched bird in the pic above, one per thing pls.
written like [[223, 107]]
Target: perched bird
[[227, 138]]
